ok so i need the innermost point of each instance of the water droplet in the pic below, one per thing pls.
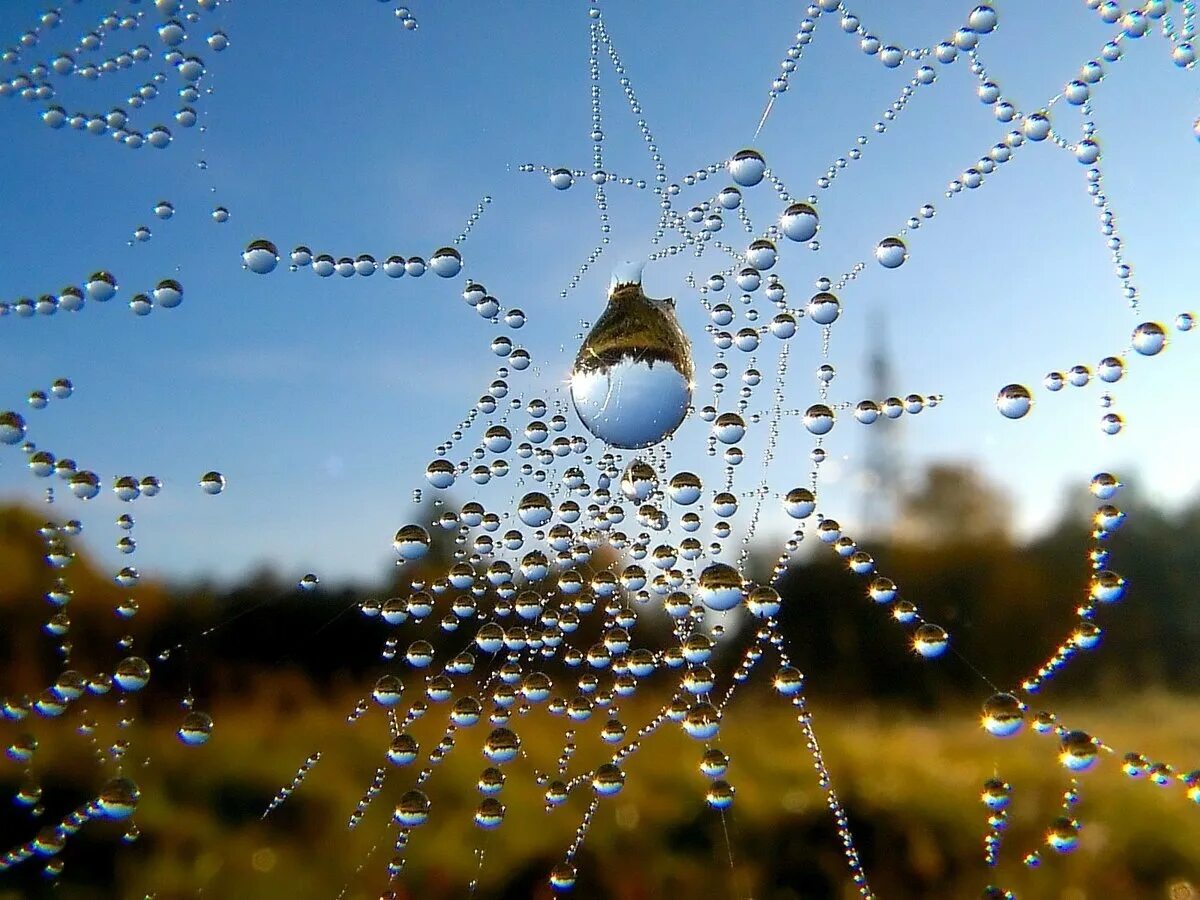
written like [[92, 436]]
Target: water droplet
[[818, 419], [632, 379], [1014, 401], [930, 640], [12, 427], [260, 256], [891, 253], [562, 877], [118, 798], [412, 810], [1078, 751], [446, 262], [168, 293], [608, 780], [1003, 715], [824, 308], [720, 587], [101, 287], [747, 167], [131, 673], [799, 222], [1063, 835], [196, 728], [212, 482], [684, 488], [411, 542], [1149, 338], [761, 254]]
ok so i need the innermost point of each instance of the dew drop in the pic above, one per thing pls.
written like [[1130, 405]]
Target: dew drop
[[891, 253], [632, 379], [446, 262], [930, 640], [684, 488], [411, 542], [747, 167], [824, 308], [1149, 339], [168, 294], [260, 256], [12, 427], [818, 419], [1003, 715], [1014, 401], [1078, 751], [212, 482], [799, 222], [720, 587], [118, 798], [101, 287], [195, 729]]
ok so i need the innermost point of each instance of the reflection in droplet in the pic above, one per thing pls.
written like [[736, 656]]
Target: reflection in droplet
[[632, 379], [747, 167], [12, 427], [720, 587], [101, 286], [799, 222], [168, 294], [1014, 401], [930, 640], [1003, 715], [891, 253], [1149, 339], [260, 257], [212, 482], [446, 262], [118, 798], [196, 728], [818, 419]]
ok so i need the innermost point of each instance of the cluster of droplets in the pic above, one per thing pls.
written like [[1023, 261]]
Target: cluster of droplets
[[1005, 714], [100, 287], [719, 586], [404, 16], [67, 696], [170, 45], [1014, 401], [527, 571], [261, 257]]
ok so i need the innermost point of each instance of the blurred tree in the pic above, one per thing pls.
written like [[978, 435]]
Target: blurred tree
[[952, 505]]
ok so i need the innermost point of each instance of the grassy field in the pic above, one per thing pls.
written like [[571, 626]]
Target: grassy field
[[910, 783]]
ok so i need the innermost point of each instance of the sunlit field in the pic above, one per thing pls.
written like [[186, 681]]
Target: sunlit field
[[907, 780]]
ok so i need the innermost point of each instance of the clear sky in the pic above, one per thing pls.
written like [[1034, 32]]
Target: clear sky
[[332, 126]]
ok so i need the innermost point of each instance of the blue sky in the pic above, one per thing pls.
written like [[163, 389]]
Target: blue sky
[[322, 400]]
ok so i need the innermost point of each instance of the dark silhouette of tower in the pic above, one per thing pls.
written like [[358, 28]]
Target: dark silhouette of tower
[[882, 467]]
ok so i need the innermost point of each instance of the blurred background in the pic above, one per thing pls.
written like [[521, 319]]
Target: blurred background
[[900, 734]]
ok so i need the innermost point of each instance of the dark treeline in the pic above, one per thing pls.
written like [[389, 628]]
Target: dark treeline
[[1006, 605]]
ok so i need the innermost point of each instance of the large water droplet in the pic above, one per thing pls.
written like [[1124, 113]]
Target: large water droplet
[[720, 587], [260, 257], [632, 379], [747, 167], [1149, 338], [1014, 401], [891, 253]]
